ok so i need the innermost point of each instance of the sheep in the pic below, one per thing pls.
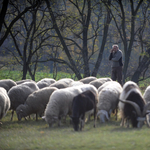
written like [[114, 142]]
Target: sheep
[[4, 102], [75, 83], [45, 82], [146, 97], [23, 81], [98, 82], [7, 84], [108, 100], [87, 80], [82, 103], [60, 102], [62, 83], [105, 84], [35, 103], [19, 93], [132, 105], [146, 94]]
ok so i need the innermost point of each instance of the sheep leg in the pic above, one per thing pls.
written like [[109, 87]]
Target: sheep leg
[[25, 119], [94, 117], [12, 113], [82, 121], [59, 121], [116, 112], [147, 120], [36, 117], [122, 122]]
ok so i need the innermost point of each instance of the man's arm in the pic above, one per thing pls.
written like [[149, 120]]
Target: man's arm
[[117, 56]]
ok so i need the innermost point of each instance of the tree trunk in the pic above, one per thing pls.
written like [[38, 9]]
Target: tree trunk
[[74, 68], [106, 27], [143, 65], [3, 13]]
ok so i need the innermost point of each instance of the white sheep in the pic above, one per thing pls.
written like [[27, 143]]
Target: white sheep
[[87, 80], [7, 84], [35, 103], [105, 84], [75, 83], [19, 93], [60, 103], [100, 81], [62, 83], [146, 94], [146, 97], [45, 82], [108, 100], [23, 81], [4, 102]]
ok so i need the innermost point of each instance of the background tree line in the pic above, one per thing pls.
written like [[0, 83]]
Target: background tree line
[[75, 36]]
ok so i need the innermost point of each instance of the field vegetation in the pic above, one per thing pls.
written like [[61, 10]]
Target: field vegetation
[[34, 135]]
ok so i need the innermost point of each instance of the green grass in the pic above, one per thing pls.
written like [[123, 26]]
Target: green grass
[[17, 75], [36, 135]]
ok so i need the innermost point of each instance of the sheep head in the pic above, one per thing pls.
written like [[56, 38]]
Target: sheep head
[[141, 114], [103, 115]]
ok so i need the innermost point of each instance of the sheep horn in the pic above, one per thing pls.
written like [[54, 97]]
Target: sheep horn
[[136, 107], [146, 109]]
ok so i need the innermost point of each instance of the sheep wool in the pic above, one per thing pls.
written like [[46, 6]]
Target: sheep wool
[[7, 84], [108, 100], [45, 82], [19, 93], [98, 82], [62, 83], [87, 80], [4, 102], [60, 102], [35, 103]]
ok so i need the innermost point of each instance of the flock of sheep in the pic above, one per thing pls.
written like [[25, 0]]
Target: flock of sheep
[[52, 100]]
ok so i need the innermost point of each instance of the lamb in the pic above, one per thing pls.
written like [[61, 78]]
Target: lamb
[[62, 83], [45, 82], [108, 100], [82, 103], [132, 105], [35, 103], [7, 84], [4, 102], [60, 102], [98, 82], [19, 93], [87, 80]]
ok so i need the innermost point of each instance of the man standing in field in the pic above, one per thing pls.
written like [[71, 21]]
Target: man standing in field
[[116, 64]]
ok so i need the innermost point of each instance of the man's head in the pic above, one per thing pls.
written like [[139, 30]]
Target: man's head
[[115, 48]]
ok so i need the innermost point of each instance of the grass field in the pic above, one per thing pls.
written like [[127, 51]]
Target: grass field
[[36, 135]]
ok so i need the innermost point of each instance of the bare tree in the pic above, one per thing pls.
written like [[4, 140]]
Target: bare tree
[[14, 20], [79, 36], [127, 34]]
